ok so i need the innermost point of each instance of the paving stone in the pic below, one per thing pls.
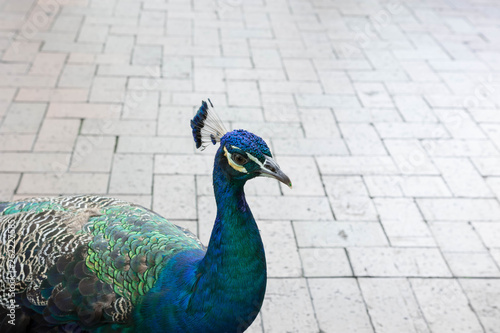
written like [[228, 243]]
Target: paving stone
[[343, 298], [292, 295], [13, 68], [493, 131], [174, 196], [462, 177], [495, 253], [154, 83], [362, 139], [494, 184], [7, 94], [276, 110], [282, 255], [489, 233], [170, 117], [485, 115], [392, 306], [398, 262], [109, 89], [300, 87], [373, 95], [147, 55], [341, 64], [131, 174], [459, 124], [444, 305], [93, 33], [484, 296], [23, 118], [336, 82], [52, 95], [119, 44], [77, 76], [93, 154], [408, 186], [456, 237], [306, 147], [339, 234], [57, 135], [141, 105], [459, 209], [222, 62], [471, 264], [268, 74], [84, 110], [319, 123], [22, 80], [304, 175], [418, 88], [266, 58], [403, 223], [64, 183], [290, 208], [356, 165], [300, 70], [128, 70], [241, 93], [47, 63], [272, 130], [411, 130], [414, 109], [419, 71], [21, 51], [451, 105], [459, 148], [410, 157], [315, 101], [16, 142], [349, 198], [9, 183], [118, 127], [209, 80], [367, 115], [183, 164], [487, 166], [325, 262]]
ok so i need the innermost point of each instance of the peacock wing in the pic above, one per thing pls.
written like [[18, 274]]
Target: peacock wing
[[84, 258]]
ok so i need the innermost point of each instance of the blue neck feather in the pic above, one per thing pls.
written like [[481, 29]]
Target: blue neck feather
[[221, 290]]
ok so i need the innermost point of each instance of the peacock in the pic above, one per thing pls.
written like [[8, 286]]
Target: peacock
[[98, 264]]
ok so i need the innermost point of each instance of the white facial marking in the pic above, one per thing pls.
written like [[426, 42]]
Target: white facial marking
[[255, 159]]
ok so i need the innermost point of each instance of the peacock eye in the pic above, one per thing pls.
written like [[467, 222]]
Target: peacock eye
[[239, 159]]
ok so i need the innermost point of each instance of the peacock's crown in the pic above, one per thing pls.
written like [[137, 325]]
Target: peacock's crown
[[207, 126]]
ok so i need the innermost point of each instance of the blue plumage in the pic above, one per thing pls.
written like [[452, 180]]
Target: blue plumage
[[114, 266]]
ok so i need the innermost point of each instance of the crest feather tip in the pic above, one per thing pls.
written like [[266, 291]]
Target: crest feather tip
[[207, 126]]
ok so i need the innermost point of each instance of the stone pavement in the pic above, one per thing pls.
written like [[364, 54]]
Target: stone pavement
[[384, 114]]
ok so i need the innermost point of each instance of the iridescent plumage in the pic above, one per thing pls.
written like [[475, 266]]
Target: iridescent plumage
[[88, 263]]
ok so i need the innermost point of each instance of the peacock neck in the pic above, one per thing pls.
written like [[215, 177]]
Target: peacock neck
[[235, 235], [234, 266]]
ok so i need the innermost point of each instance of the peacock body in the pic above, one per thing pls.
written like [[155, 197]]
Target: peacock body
[[95, 264]]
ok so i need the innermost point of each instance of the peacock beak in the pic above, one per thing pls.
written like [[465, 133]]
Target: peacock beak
[[271, 169]]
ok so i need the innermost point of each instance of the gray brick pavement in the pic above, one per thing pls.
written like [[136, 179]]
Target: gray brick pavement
[[386, 115]]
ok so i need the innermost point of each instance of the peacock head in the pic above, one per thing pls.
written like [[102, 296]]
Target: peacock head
[[244, 155]]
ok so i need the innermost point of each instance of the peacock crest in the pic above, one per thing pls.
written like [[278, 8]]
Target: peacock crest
[[207, 126]]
